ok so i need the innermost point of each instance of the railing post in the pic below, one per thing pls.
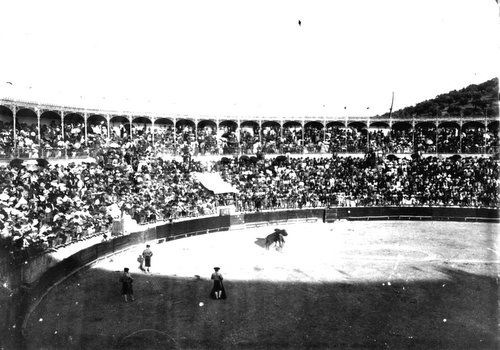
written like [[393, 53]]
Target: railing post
[[460, 137], [38, 114], [153, 134], [437, 133], [175, 137], [107, 127], [368, 135], [303, 136], [130, 130], [14, 116], [62, 126], [85, 118], [413, 134]]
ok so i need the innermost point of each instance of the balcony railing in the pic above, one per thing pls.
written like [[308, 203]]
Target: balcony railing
[[68, 154]]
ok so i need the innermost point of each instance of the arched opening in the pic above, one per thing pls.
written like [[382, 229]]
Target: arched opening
[[492, 138], [448, 137], [97, 131], [207, 127], [314, 136], [271, 137], [74, 130], [379, 136], [164, 136], [229, 137], [356, 134], [164, 123], [336, 137], [207, 137], [249, 137], [401, 138], [494, 126], [227, 126], [292, 137], [473, 137], [185, 131], [473, 125], [379, 125], [26, 133], [119, 128], [51, 134], [357, 125], [6, 131], [26, 118], [401, 126], [6, 115], [141, 133], [425, 137], [335, 124]]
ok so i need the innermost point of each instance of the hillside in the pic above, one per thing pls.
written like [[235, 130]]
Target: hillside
[[473, 100]]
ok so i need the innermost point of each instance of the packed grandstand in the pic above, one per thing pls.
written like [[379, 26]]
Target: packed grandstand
[[441, 153]]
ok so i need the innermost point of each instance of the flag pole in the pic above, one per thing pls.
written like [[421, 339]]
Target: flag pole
[[392, 104]]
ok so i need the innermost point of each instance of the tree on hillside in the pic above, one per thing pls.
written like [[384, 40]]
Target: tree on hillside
[[454, 110], [468, 111], [463, 99], [479, 105], [475, 99], [491, 111]]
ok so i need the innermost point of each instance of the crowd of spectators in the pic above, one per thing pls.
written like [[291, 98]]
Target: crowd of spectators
[[164, 139], [47, 206], [314, 140], [271, 139], [249, 140], [56, 141], [292, 140], [347, 181], [42, 207], [449, 140], [400, 141], [229, 140]]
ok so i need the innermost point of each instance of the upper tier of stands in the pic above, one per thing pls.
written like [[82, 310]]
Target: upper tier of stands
[[37, 131]]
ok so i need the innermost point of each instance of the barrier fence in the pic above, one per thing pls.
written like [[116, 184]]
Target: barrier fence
[[36, 277], [29, 272], [283, 216]]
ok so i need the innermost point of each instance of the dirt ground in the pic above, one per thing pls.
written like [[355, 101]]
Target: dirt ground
[[346, 285]]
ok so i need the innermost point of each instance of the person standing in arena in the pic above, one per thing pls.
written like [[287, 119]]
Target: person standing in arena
[[126, 281], [218, 291], [140, 260], [147, 254]]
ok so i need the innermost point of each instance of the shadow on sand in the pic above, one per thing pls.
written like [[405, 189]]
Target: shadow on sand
[[458, 311]]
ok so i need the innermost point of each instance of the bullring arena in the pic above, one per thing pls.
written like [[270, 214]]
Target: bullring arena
[[392, 231], [346, 284], [383, 250], [202, 129]]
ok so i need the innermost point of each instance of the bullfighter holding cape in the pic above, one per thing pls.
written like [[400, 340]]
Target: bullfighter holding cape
[[218, 291]]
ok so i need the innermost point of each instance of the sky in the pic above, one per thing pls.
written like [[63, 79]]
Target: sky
[[246, 58]]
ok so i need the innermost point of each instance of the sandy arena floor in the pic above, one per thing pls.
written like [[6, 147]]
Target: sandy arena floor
[[346, 251], [348, 285]]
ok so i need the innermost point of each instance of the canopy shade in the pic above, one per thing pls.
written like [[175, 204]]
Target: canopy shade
[[213, 182]]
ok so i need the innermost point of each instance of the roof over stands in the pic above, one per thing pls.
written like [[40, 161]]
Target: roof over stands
[[213, 182]]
